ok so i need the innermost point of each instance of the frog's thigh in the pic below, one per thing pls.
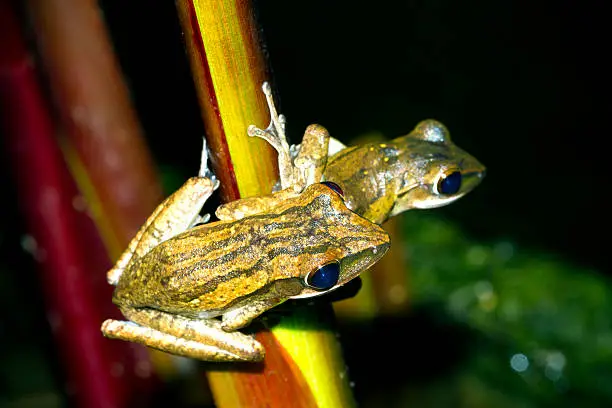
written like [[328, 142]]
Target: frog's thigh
[[170, 218], [200, 339], [245, 207]]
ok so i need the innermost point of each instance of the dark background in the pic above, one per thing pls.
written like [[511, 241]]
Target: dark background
[[521, 85]]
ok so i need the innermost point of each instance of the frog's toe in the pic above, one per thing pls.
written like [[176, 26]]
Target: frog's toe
[[213, 345]]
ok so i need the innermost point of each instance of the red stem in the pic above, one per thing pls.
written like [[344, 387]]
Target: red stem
[[72, 259]]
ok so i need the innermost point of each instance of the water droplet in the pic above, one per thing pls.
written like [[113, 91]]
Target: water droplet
[[556, 360], [519, 362]]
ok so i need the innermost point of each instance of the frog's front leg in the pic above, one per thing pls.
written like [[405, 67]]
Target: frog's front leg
[[202, 339], [173, 216], [301, 165], [241, 316], [275, 135]]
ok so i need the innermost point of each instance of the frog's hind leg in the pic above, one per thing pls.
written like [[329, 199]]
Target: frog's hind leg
[[275, 135], [201, 339], [244, 207], [173, 216]]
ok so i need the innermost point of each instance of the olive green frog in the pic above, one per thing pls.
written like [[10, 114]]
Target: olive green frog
[[176, 277], [421, 170]]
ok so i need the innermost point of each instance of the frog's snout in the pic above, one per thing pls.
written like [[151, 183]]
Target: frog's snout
[[380, 249]]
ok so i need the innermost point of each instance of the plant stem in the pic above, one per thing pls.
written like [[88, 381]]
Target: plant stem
[[303, 366]]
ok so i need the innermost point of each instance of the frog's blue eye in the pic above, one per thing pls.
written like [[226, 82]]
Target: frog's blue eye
[[324, 278], [449, 184], [334, 187]]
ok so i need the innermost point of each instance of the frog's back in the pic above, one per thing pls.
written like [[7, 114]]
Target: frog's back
[[214, 267], [364, 173], [196, 270]]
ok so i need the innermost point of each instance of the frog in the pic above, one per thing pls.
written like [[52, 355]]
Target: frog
[[187, 286], [423, 169]]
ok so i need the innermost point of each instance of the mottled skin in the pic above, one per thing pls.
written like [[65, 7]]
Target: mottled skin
[[381, 180], [213, 268]]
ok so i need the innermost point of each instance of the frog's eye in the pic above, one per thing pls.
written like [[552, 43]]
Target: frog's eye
[[333, 186], [448, 183], [324, 278]]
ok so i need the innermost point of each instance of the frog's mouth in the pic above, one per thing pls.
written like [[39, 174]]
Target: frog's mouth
[[470, 180], [352, 266], [421, 196], [308, 292], [430, 202]]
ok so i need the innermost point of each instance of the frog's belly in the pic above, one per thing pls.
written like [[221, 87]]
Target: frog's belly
[[208, 313]]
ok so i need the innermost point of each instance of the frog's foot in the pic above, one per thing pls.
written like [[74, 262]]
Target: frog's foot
[[275, 135], [200, 219], [204, 170], [205, 173], [200, 339]]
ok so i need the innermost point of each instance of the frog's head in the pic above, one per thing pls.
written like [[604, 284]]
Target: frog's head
[[437, 171], [332, 244]]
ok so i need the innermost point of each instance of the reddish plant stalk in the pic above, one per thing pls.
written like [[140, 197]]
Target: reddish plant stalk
[[64, 240]]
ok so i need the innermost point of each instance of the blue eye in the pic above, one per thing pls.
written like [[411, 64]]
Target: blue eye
[[335, 187], [449, 184], [324, 278]]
